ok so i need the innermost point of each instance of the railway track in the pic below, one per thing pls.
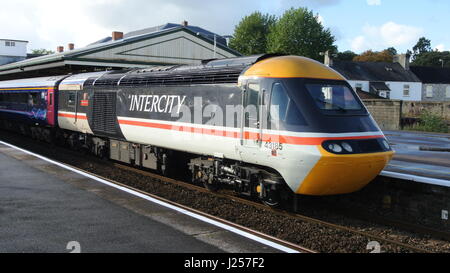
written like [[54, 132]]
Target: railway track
[[280, 212], [389, 245]]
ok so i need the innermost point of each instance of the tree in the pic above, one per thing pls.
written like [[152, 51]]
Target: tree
[[42, 51], [250, 35], [433, 58], [299, 32], [393, 51], [345, 56], [374, 56], [422, 46]]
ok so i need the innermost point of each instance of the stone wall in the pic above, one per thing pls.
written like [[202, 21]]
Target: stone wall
[[402, 201], [387, 113], [413, 109]]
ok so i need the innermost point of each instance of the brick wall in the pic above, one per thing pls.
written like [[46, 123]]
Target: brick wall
[[387, 113]]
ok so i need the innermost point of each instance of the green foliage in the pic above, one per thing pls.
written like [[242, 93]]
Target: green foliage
[[42, 51], [250, 35], [345, 56], [374, 56], [392, 50], [299, 32], [430, 122], [422, 46], [433, 58]]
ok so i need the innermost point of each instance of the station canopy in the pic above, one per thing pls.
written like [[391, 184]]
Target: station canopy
[[170, 44]]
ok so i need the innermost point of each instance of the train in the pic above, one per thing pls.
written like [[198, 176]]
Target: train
[[267, 126]]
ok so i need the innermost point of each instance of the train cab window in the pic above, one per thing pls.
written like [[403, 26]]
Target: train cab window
[[282, 108], [333, 97], [279, 102], [50, 100]]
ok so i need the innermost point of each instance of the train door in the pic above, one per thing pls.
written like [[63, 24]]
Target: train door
[[51, 115], [251, 125]]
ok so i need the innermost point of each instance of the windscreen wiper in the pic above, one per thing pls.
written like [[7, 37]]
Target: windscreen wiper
[[334, 105]]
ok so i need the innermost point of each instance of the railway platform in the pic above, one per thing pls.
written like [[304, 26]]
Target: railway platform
[[47, 208], [420, 154]]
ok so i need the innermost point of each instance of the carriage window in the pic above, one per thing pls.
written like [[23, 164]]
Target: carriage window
[[71, 99], [14, 97], [33, 99], [252, 106]]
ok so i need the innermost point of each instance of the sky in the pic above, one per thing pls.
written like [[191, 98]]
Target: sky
[[357, 25]]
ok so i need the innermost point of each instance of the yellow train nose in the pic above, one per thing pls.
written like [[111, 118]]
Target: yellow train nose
[[340, 174]]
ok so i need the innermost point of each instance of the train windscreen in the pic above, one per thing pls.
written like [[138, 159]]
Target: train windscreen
[[333, 97]]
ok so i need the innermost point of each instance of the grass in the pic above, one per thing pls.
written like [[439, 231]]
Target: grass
[[429, 122]]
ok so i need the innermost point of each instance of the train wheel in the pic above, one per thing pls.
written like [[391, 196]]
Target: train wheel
[[268, 197], [271, 203], [210, 183]]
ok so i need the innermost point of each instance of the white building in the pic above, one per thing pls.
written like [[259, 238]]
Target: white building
[[389, 80], [12, 51]]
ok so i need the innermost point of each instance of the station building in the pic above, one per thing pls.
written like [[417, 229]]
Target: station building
[[12, 51], [169, 44]]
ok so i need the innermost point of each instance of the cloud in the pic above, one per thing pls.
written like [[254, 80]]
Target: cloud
[[320, 3], [320, 19], [49, 23], [373, 2], [440, 47], [384, 36]]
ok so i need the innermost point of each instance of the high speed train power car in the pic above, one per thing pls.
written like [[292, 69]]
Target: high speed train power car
[[266, 126]]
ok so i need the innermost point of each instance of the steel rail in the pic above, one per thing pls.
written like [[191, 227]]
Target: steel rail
[[276, 211]]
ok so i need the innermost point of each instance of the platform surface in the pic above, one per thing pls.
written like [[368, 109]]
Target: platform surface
[[410, 159], [43, 207]]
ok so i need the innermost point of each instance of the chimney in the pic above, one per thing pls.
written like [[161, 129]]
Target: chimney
[[328, 61], [71, 46], [60, 49], [403, 60], [184, 23], [117, 35]]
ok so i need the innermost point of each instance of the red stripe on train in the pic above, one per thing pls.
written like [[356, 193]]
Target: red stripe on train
[[247, 135], [71, 116]]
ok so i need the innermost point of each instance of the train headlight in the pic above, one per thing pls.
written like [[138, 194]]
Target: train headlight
[[386, 144], [335, 148], [347, 147]]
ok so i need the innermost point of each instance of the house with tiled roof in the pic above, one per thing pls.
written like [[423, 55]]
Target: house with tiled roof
[[436, 82], [388, 80]]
